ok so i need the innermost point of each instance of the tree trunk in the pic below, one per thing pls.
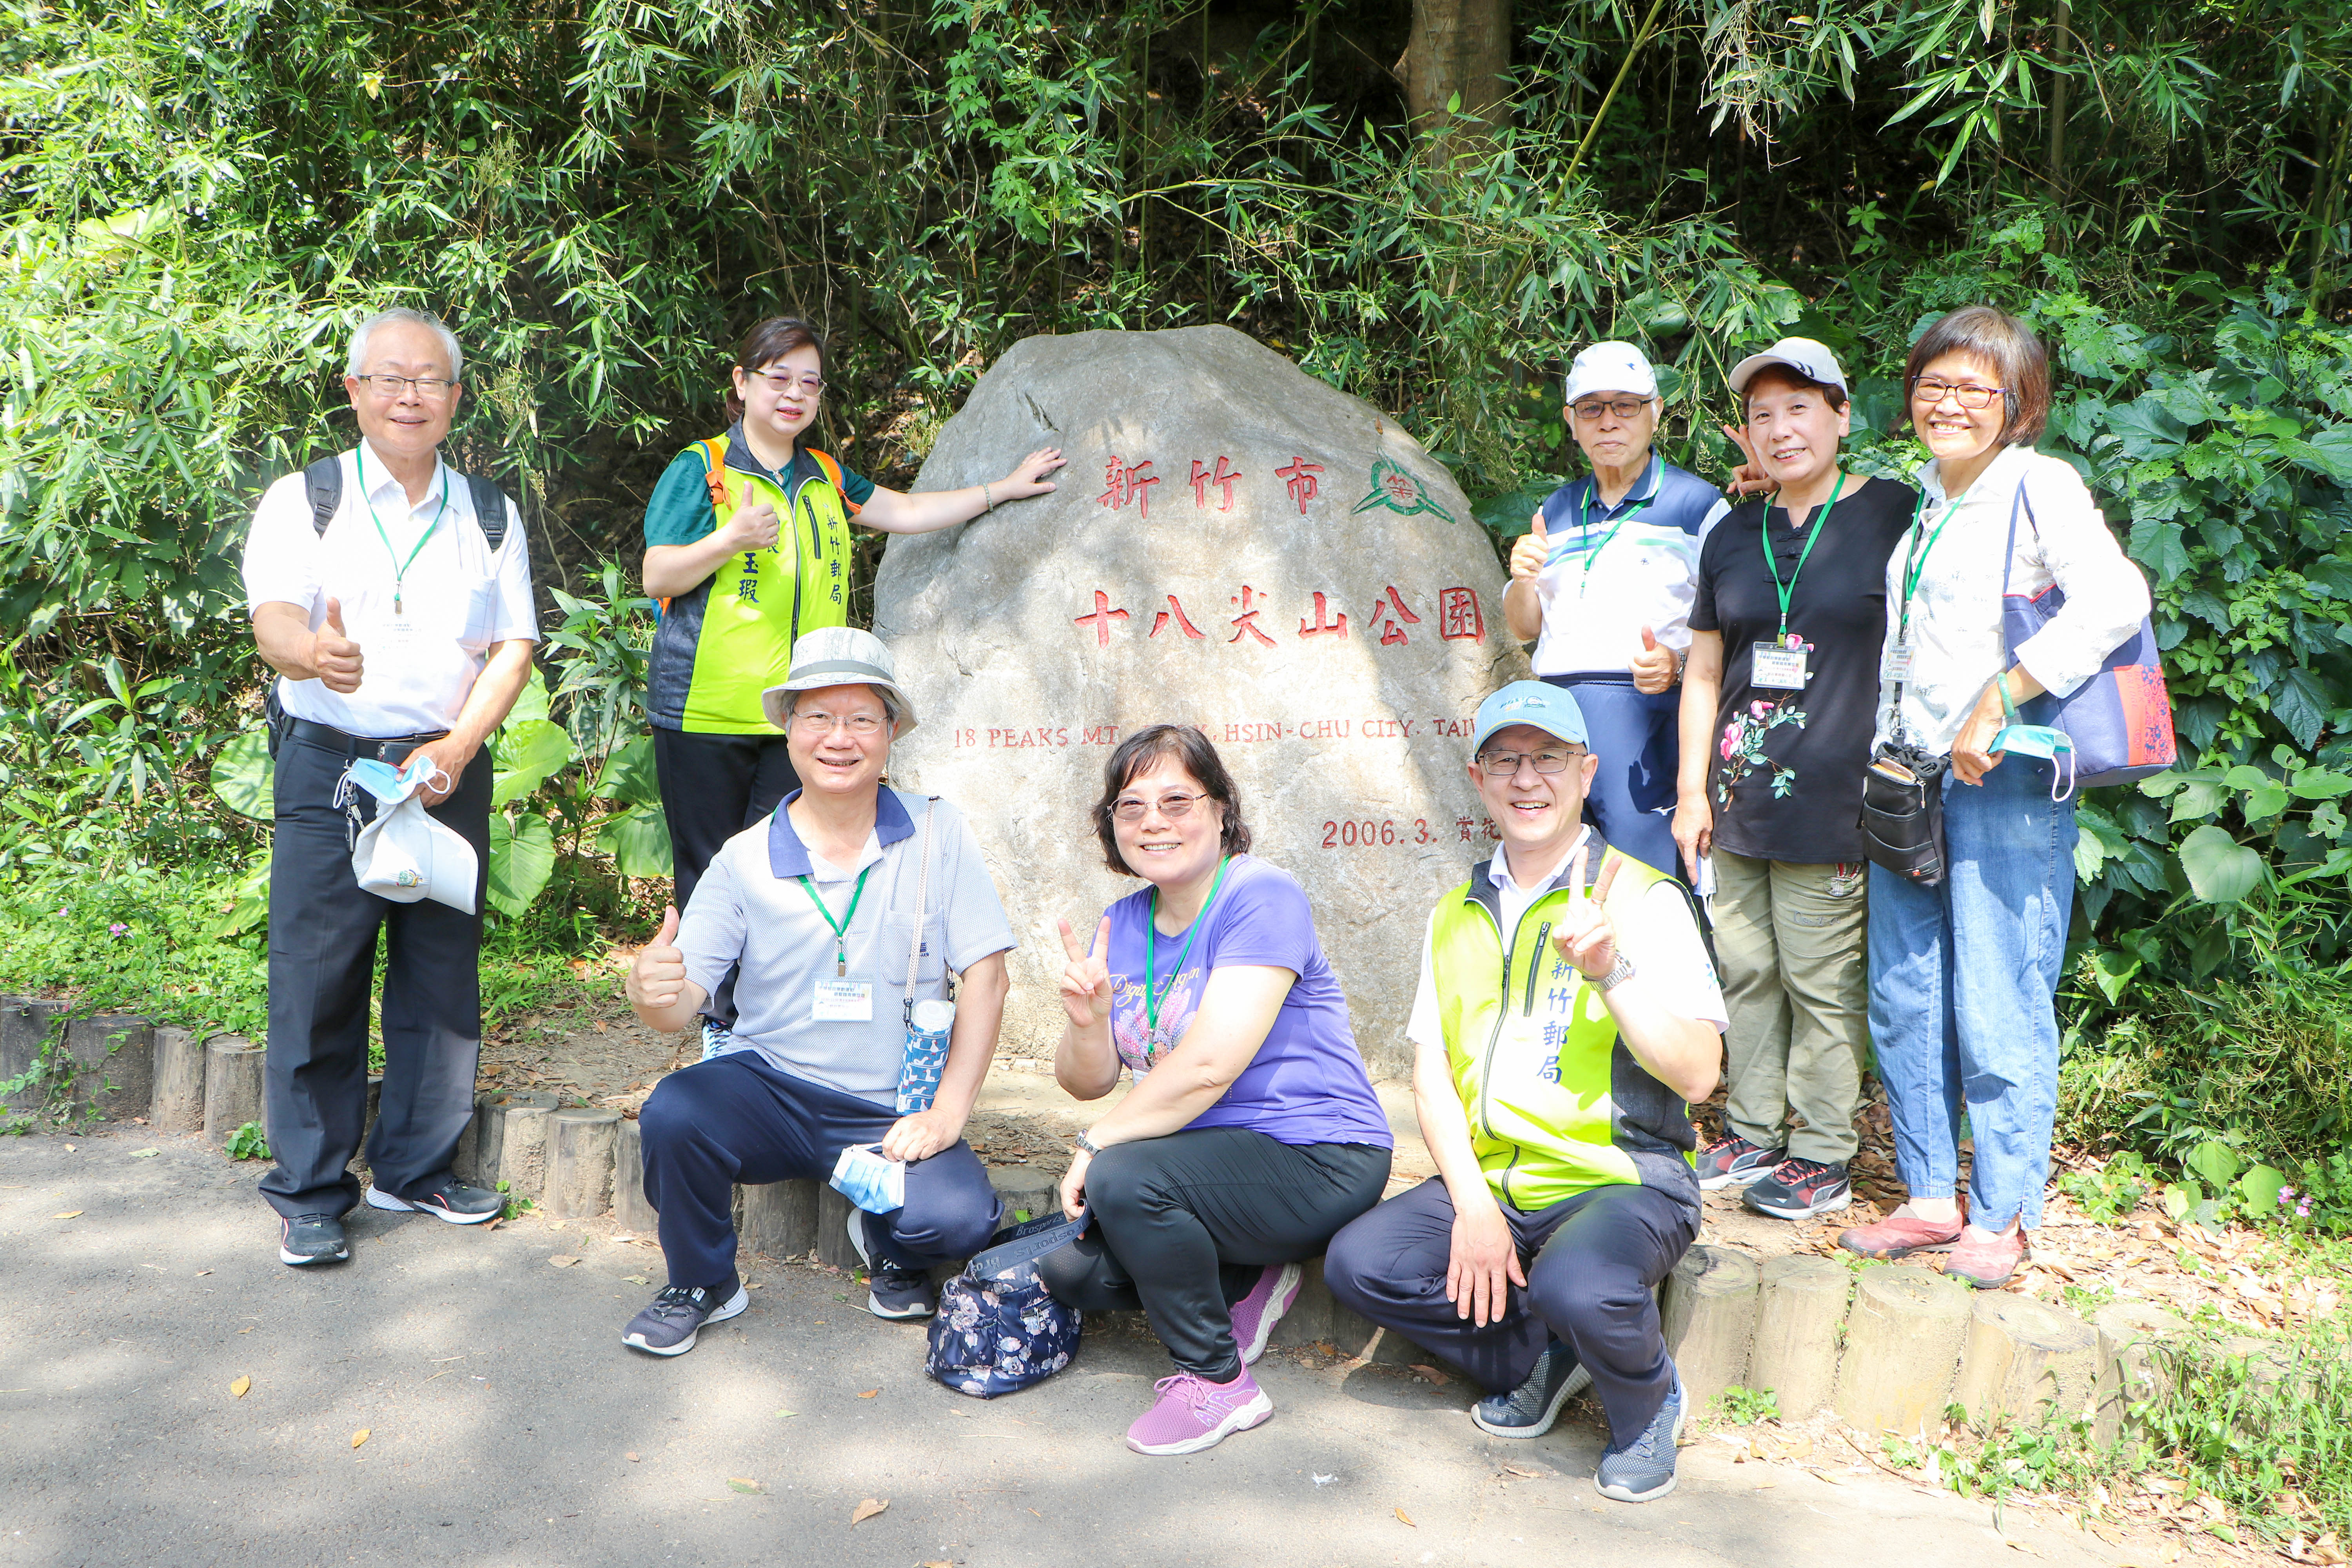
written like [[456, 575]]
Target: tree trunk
[[1459, 48]]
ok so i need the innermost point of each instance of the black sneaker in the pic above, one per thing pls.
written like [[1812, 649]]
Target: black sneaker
[[1799, 1189], [1643, 1469], [1733, 1161], [451, 1200], [677, 1315], [1528, 1410], [307, 1238], [899, 1295]]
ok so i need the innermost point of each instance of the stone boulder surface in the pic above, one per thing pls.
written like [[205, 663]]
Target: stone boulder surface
[[1235, 545]]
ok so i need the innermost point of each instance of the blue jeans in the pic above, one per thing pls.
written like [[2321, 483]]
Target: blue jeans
[[1632, 796], [1963, 982]]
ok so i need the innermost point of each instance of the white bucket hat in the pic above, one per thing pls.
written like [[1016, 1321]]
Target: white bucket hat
[[405, 854], [839, 656], [1611, 367], [1809, 359]]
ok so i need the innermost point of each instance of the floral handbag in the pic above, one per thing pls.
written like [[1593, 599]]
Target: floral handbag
[[997, 1330]]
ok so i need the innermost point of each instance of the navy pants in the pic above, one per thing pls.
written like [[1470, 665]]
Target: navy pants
[[1593, 1264], [1635, 737], [736, 1117]]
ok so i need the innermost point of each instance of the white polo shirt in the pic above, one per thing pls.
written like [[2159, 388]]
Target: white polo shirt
[[456, 599]]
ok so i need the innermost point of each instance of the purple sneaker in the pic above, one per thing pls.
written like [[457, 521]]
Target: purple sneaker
[[1255, 1315], [1194, 1414]]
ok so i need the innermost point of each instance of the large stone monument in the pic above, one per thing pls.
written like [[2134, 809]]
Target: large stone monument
[[1236, 545]]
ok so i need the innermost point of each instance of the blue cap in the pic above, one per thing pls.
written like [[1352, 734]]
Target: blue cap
[[1548, 708]]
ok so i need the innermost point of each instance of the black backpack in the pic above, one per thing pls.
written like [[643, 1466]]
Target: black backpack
[[324, 481]]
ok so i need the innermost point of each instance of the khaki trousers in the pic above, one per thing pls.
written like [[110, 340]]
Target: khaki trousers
[[1792, 942]]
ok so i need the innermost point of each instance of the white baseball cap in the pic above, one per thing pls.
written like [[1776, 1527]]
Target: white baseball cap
[[1611, 367], [839, 656], [1809, 359], [404, 855]]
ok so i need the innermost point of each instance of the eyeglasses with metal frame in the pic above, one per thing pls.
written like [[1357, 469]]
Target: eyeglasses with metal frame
[[1174, 807], [1504, 764]]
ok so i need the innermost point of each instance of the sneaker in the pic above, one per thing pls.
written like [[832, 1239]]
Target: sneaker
[[1903, 1233], [1528, 1410], [677, 1315], [1733, 1161], [1269, 1300], [716, 1037], [1799, 1189], [1987, 1262], [452, 1200], [894, 1294], [1643, 1469], [307, 1238], [1193, 1414]]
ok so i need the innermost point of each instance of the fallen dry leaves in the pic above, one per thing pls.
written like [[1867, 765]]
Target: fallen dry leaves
[[70, 1213], [236, 1390], [869, 1394], [867, 1510], [1406, 1517], [360, 1436], [743, 1483], [631, 1458], [561, 1261]]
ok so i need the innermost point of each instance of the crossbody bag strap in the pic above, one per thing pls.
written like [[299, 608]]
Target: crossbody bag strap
[[922, 903]]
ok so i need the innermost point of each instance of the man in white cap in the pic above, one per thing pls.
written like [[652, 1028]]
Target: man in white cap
[[822, 911], [1601, 584]]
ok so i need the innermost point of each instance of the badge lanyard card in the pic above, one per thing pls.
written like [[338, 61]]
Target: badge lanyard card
[[1780, 665]]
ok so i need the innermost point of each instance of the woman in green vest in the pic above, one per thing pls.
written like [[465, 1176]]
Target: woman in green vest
[[747, 548]]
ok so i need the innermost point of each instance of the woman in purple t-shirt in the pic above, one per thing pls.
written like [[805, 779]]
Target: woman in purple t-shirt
[[1252, 1134]]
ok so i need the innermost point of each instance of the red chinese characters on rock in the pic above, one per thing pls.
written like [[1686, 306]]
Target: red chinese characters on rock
[[1459, 618], [1247, 620], [1300, 479], [1176, 612], [1101, 619], [1457, 615], [1124, 482], [1222, 477], [1325, 626], [1390, 615]]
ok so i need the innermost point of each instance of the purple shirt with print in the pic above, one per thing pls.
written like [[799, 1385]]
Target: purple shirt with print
[[1307, 1084]]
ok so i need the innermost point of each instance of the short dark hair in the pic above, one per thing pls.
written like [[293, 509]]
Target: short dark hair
[[1790, 375], [2003, 342], [766, 343], [1193, 752]]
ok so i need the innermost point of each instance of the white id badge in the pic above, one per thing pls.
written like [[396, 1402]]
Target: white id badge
[[1781, 669], [1896, 665], [842, 1002]]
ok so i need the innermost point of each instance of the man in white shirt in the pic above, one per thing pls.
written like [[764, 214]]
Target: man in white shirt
[[399, 619]]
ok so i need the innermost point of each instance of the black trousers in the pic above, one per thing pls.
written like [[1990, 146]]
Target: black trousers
[[712, 789], [1183, 1226], [1593, 1264], [322, 944]]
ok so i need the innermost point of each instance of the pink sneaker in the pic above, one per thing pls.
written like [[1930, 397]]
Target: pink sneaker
[[1194, 1414], [1269, 1301]]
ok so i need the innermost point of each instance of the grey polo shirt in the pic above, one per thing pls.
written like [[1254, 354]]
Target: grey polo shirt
[[752, 912]]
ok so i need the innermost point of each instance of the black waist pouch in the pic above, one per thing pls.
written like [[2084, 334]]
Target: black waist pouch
[[1903, 812]]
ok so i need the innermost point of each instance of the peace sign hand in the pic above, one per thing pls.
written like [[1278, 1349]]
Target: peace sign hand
[[1749, 479], [1586, 936], [1086, 978]]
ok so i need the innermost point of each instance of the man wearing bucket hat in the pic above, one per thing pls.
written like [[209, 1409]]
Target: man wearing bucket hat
[[1567, 1015], [392, 594], [823, 912], [1602, 584]]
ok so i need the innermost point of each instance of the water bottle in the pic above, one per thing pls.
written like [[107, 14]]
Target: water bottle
[[927, 1023]]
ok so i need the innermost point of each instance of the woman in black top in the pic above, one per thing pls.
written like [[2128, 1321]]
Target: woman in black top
[[1780, 699]]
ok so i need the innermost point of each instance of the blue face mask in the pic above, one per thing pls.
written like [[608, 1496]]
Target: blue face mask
[[2040, 741]]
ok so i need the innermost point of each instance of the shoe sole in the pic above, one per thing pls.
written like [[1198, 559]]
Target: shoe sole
[[1951, 1273], [1241, 1419], [379, 1199], [292, 1260], [1889, 1254], [1578, 1381], [1800, 1211], [1734, 1179], [741, 1299], [915, 1314], [1287, 1286], [1682, 1412]]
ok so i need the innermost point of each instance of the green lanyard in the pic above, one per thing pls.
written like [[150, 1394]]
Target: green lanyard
[[1151, 954], [399, 567], [1915, 561], [840, 927], [1764, 530], [1584, 524]]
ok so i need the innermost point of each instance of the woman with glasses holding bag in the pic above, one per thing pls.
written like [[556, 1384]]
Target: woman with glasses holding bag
[[1964, 968], [747, 548], [1252, 1134]]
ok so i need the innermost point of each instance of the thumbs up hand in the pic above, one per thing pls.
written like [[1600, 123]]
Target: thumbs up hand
[[334, 658], [657, 982], [1527, 555], [1655, 667], [751, 527]]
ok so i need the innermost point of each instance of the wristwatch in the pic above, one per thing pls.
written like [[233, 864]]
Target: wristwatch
[[1087, 1142], [1618, 972]]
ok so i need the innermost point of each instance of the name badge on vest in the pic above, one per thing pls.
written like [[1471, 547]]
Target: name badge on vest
[[1777, 667], [842, 1002], [1896, 665]]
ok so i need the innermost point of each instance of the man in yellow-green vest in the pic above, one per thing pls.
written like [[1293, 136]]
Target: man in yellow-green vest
[[1567, 1017]]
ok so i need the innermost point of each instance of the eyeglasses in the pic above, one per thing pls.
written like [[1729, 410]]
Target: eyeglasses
[[1928, 391], [810, 386], [1504, 764], [861, 725], [1624, 407], [431, 386], [1174, 807]]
